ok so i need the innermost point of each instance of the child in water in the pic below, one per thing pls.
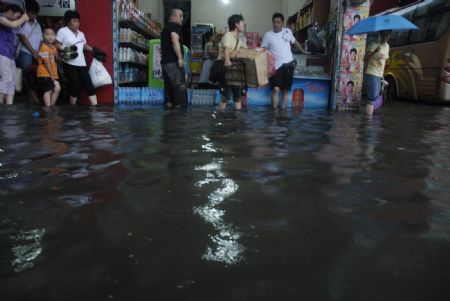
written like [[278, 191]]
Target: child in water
[[47, 71]]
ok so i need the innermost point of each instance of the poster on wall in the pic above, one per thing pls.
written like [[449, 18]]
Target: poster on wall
[[352, 59], [55, 8], [155, 69]]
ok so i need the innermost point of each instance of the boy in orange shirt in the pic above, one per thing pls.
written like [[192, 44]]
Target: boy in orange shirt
[[47, 71]]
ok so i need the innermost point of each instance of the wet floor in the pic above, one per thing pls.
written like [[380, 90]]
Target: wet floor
[[125, 203]]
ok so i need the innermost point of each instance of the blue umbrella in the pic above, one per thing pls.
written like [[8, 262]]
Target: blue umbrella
[[379, 23]]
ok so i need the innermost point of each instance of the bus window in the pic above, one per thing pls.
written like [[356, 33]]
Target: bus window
[[431, 6], [419, 35], [399, 38], [438, 26]]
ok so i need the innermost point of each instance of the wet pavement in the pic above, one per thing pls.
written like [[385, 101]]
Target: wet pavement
[[130, 203]]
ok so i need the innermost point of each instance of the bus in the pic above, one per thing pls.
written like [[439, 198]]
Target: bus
[[418, 67]]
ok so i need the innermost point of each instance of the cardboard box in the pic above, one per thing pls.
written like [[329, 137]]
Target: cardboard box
[[256, 66]]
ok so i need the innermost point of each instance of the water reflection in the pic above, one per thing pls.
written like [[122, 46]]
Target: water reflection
[[26, 248], [225, 246]]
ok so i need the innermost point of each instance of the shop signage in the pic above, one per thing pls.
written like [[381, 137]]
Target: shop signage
[[55, 8]]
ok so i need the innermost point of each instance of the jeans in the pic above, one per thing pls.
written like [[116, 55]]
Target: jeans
[[175, 89]]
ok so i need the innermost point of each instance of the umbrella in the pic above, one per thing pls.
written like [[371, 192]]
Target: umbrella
[[19, 3], [379, 23]]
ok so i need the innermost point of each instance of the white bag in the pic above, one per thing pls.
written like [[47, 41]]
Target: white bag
[[18, 80], [99, 75]]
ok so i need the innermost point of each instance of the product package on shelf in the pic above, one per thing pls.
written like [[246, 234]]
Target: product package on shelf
[[128, 12]]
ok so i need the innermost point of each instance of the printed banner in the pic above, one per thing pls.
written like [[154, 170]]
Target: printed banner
[[55, 8], [352, 59], [305, 93]]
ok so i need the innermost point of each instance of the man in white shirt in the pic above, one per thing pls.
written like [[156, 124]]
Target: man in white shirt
[[278, 42], [30, 37]]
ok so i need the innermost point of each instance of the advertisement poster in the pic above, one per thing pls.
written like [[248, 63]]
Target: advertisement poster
[[305, 93], [352, 60], [55, 8], [156, 70]]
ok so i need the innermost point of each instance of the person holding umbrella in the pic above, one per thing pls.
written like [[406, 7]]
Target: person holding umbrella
[[376, 55]]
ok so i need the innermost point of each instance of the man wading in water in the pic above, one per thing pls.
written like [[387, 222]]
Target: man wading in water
[[172, 63]]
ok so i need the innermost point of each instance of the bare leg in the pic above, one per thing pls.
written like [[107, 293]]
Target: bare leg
[[33, 96], [223, 104], [47, 98], [275, 92], [369, 109], [9, 99], [73, 100], [284, 99], [238, 104], [93, 100], [55, 93], [2, 98]]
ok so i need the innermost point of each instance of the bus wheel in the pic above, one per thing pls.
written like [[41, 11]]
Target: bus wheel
[[391, 90]]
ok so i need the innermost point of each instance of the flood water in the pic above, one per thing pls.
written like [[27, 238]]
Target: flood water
[[130, 203]]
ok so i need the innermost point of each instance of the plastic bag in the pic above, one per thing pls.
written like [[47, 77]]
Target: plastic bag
[[18, 79], [99, 74]]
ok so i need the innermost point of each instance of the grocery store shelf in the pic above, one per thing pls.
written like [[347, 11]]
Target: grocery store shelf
[[144, 31], [133, 46]]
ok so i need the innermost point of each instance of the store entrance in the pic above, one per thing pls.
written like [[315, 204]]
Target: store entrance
[[185, 6]]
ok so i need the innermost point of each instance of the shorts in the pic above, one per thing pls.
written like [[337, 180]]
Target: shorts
[[46, 84], [372, 84], [283, 77], [7, 75], [229, 92]]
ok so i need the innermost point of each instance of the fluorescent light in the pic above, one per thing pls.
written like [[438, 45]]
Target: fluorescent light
[[226, 1]]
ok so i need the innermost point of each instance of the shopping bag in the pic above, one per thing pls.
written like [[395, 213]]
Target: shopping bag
[[18, 79], [99, 75]]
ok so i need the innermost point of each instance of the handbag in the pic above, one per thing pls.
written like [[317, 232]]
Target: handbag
[[218, 68]]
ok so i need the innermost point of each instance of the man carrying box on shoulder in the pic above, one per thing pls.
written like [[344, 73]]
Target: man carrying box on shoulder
[[278, 42]]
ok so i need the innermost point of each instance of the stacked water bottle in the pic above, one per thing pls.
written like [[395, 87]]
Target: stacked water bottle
[[128, 73], [130, 55], [140, 95], [130, 36], [205, 97]]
